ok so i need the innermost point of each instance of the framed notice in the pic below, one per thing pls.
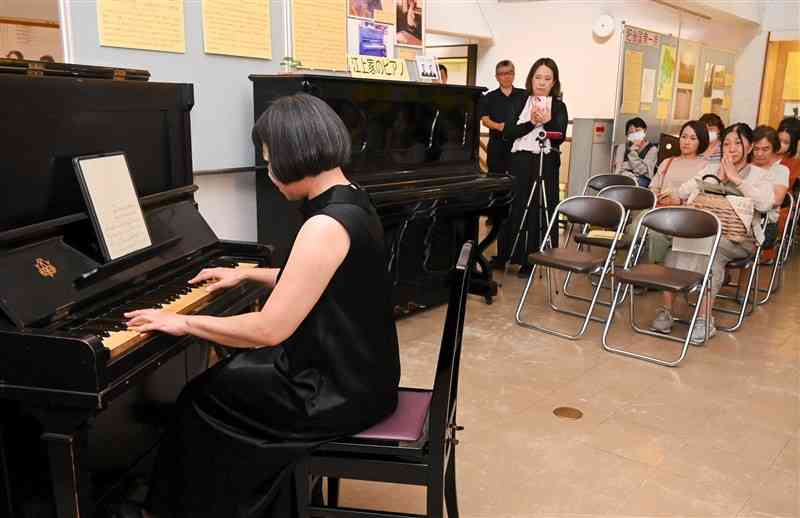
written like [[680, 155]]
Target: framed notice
[[113, 204]]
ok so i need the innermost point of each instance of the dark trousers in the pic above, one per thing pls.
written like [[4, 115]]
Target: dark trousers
[[498, 156], [525, 170]]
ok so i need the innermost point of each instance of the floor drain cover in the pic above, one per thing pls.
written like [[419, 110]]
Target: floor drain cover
[[566, 412]]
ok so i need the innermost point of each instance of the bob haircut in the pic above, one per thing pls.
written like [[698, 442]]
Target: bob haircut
[[712, 119], [766, 132], [791, 126], [303, 136], [555, 91], [701, 132], [742, 131], [636, 122]]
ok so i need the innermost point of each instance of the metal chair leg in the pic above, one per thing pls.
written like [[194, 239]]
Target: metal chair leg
[[618, 350]]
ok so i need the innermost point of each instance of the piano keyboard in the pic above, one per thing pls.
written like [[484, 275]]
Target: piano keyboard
[[177, 296]]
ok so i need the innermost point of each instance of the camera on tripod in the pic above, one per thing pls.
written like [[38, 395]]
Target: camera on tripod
[[539, 134]]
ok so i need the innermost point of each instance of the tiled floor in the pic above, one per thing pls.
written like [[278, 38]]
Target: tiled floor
[[717, 436]]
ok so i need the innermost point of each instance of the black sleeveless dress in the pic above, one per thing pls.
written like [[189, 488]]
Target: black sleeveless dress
[[244, 423]]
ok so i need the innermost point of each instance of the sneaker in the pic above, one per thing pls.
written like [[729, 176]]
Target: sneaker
[[663, 321], [524, 271], [699, 331]]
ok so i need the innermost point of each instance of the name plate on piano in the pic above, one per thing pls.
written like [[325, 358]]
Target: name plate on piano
[[371, 67]]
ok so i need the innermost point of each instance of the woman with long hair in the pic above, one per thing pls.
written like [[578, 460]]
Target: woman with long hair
[[754, 183], [542, 109]]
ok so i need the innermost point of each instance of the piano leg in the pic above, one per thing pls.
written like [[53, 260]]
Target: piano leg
[[482, 282], [69, 490], [7, 508]]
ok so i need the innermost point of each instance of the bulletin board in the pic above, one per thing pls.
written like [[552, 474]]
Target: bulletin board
[[667, 81]]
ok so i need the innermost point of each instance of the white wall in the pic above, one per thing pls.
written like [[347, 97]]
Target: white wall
[[562, 29], [781, 15], [749, 71]]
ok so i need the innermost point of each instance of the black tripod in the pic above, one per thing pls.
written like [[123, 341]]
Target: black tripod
[[538, 186]]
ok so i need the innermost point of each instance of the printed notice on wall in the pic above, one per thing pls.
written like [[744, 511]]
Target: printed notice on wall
[[142, 24], [116, 213], [237, 28], [320, 34], [632, 85]]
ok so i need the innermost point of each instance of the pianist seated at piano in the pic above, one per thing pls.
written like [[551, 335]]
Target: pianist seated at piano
[[319, 361]]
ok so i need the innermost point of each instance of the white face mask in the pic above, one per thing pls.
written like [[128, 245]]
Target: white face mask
[[636, 136], [713, 135]]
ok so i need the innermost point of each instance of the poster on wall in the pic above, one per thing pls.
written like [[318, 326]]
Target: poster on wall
[[718, 77], [365, 8], [366, 38], [427, 69], [683, 104], [409, 22], [30, 42], [707, 86], [666, 72], [687, 64]]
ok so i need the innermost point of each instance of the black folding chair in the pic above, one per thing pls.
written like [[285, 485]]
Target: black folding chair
[[415, 445], [633, 199], [578, 210], [599, 182], [686, 222]]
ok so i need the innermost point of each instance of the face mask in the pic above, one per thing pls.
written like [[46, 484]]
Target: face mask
[[713, 135], [636, 136]]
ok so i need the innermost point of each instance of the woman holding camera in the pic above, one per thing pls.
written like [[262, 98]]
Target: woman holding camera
[[541, 110]]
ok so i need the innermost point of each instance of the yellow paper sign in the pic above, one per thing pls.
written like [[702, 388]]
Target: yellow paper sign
[[726, 102], [706, 105], [370, 67], [729, 79], [237, 28], [662, 112], [632, 85], [152, 26], [320, 34], [791, 81], [645, 107], [385, 15], [406, 53]]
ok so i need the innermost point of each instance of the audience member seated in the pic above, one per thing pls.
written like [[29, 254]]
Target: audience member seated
[[789, 134], [715, 127], [765, 155], [754, 183], [637, 157], [674, 172]]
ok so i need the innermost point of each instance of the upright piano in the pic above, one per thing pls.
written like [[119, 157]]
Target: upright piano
[[415, 150], [82, 400]]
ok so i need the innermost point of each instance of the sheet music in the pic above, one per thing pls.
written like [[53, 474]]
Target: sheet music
[[109, 191]]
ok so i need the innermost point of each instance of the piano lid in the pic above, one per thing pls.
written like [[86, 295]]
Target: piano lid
[[395, 126], [44, 68], [50, 120]]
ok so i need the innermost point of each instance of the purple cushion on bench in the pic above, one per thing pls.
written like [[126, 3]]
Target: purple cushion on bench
[[406, 423]]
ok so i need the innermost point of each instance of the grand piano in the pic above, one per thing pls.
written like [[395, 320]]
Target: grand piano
[[415, 151], [82, 400]]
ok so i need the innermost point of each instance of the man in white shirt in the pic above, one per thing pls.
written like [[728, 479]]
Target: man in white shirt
[[765, 155]]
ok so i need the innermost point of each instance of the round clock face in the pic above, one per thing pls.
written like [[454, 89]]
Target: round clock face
[[603, 26]]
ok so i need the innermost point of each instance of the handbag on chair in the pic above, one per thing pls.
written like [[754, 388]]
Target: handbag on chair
[[733, 210]]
